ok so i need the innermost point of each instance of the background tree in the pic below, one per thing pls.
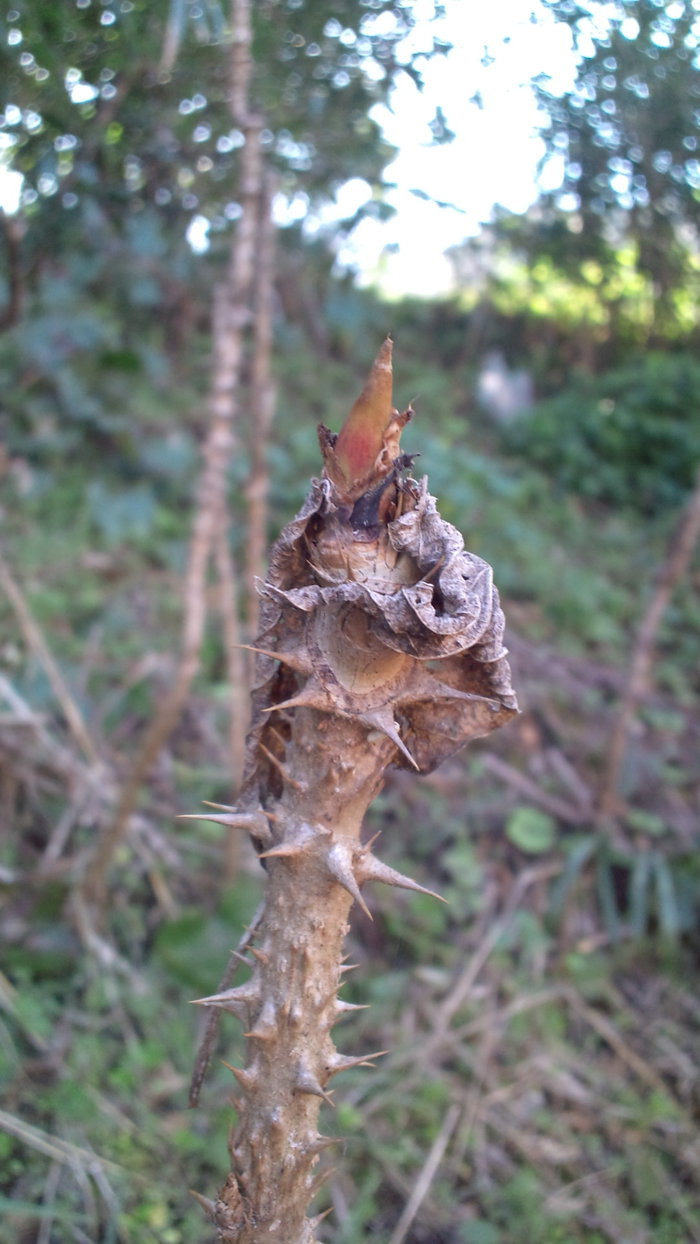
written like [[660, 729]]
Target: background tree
[[629, 133], [118, 116]]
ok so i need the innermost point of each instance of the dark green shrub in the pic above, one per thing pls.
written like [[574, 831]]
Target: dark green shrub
[[629, 438]]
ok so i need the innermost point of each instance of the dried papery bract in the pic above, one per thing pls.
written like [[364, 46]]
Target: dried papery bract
[[381, 643]]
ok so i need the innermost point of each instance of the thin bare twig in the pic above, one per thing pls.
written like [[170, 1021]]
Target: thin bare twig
[[572, 814], [672, 571], [211, 1026]]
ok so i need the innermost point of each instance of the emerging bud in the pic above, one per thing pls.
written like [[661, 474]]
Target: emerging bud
[[361, 438], [366, 449]]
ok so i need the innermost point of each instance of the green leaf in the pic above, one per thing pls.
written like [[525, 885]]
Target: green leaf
[[578, 855], [646, 822], [606, 893], [639, 892], [29, 1209], [668, 911], [125, 516], [480, 1232], [531, 830]]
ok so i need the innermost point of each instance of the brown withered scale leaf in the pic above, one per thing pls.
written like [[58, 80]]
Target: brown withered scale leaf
[[420, 624]]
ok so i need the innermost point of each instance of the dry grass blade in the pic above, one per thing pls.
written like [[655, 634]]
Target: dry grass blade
[[607, 1030], [35, 640], [8, 1002], [54, 1146], [499, 1019], [467, 978], [50, 1189], [427, 1175]]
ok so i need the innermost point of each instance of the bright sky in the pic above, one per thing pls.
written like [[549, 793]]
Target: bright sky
[[497, 50]]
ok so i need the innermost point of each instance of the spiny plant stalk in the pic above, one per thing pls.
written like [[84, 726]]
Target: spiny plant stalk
[[380, 644]]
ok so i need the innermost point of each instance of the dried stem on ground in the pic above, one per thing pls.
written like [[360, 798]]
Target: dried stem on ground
[[672, 571], [35, 641], [232, 316], [380, 643]]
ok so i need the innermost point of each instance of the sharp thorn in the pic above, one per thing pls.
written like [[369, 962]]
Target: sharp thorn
[[235, 1007], [236, 822], [370, 868], [302, 839], [385, 722], [236, 1000], [342, 1063], [323, 1142], [318, 1218], [259, 955], [265, 1024], [310, 697], [285, 849], [294, 662], [248, 1080], [320, 1180], [344, 1008], [253, 823], [277, 763], [208, 1206], [339, 865], [306, 1082]]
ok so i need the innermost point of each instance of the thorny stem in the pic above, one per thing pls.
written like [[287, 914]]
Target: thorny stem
[[380, 643]]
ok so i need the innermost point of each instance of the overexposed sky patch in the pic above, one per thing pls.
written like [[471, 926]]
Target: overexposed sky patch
[[483, 90]]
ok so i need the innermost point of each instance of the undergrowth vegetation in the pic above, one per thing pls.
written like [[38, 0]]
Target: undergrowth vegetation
[[629, 438], [543, 1026]]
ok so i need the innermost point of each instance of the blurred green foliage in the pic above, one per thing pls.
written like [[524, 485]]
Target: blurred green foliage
[[626, 134], [94, 537], [629, 438]]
